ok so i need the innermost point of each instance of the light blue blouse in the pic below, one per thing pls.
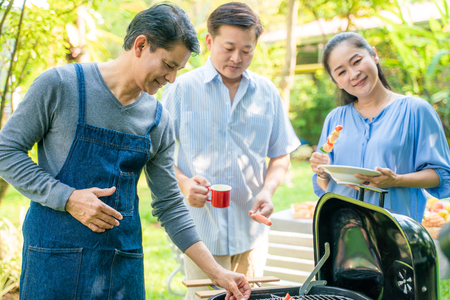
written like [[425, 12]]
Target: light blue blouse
[[406, 137]]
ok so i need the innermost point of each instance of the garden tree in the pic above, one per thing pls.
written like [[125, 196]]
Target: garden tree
[[288, 71], [32, 39], [423, 57]]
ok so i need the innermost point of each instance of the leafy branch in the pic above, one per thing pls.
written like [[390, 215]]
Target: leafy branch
[[13, 55], [5, 15]]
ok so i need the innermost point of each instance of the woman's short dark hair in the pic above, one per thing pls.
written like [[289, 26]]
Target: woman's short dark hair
[[234, 14], [358, 41], [164, 25]]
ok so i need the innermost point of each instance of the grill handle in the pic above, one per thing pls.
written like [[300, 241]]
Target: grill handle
[[363, 187], [308, 284]]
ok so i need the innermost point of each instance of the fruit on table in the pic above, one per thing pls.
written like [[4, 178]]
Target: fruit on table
[[437, 206], [443, 213], [430, 202], [433, 219], [447, 207]]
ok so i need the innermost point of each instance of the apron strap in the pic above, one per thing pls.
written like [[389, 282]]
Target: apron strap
[[81, 93], [159, 109]]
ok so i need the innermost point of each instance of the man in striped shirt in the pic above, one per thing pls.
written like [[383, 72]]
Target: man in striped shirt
[[227, 121]]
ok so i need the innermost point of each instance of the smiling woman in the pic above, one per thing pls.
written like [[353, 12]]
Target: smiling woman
[[337, 66], [384, 131]]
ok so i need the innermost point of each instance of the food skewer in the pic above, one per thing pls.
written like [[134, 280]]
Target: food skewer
[[331, 139]]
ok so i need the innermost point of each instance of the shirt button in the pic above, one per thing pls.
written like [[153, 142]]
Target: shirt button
[[229, 152], [229, 177], [228, 128]]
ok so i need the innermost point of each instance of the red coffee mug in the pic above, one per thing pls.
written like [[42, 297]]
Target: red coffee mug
[[220, 195]]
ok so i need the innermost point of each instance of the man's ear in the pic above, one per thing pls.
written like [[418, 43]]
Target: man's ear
[[209, 40], [140, 43]]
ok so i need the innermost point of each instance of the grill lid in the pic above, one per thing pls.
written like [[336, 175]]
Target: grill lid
[[374, 251]]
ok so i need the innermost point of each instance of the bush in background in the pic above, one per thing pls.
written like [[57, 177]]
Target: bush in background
[[302, 153], [313, 96], [11, 241]]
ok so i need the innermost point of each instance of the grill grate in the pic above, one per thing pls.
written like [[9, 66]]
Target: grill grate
[[309, 297]]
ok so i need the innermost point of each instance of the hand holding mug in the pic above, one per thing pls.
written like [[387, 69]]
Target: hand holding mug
[[220, 195], [195, 190]]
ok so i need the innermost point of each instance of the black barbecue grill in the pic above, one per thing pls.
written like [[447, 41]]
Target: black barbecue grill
[[364, 252]]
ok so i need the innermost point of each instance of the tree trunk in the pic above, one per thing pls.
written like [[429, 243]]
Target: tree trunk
[[11, 66], [3, 188], [288, 71]]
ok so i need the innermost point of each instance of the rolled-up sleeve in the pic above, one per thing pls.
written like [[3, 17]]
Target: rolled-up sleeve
[[432, 150]]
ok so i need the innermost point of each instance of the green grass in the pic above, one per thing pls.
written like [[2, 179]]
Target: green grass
[[159, 258], [299, 190]]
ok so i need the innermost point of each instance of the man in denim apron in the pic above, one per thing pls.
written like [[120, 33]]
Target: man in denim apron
[[97, 127]]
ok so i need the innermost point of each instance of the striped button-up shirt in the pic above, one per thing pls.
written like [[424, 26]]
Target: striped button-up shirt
[[228, 144]]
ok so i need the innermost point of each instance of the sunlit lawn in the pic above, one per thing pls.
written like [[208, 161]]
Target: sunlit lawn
[[159, 258]]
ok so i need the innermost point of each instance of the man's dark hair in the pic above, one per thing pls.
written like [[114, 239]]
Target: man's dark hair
[[164, 25], [234, 14]]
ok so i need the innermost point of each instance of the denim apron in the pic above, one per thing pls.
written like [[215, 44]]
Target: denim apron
[[64, 259]]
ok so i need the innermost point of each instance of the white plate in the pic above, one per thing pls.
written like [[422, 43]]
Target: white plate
[[345, 174]]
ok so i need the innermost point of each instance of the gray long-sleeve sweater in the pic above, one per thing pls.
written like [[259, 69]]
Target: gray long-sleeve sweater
[[48, 115]]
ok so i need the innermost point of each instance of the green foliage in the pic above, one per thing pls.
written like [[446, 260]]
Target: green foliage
[[312, 98], [324, 9], [10, 256], [34, 39], [41, 40], [423, 58], [303, 152]]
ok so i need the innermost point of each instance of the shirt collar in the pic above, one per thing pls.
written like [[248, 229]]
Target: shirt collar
[[211, 73]]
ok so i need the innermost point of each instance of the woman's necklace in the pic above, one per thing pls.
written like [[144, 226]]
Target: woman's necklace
[[384, 105]]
